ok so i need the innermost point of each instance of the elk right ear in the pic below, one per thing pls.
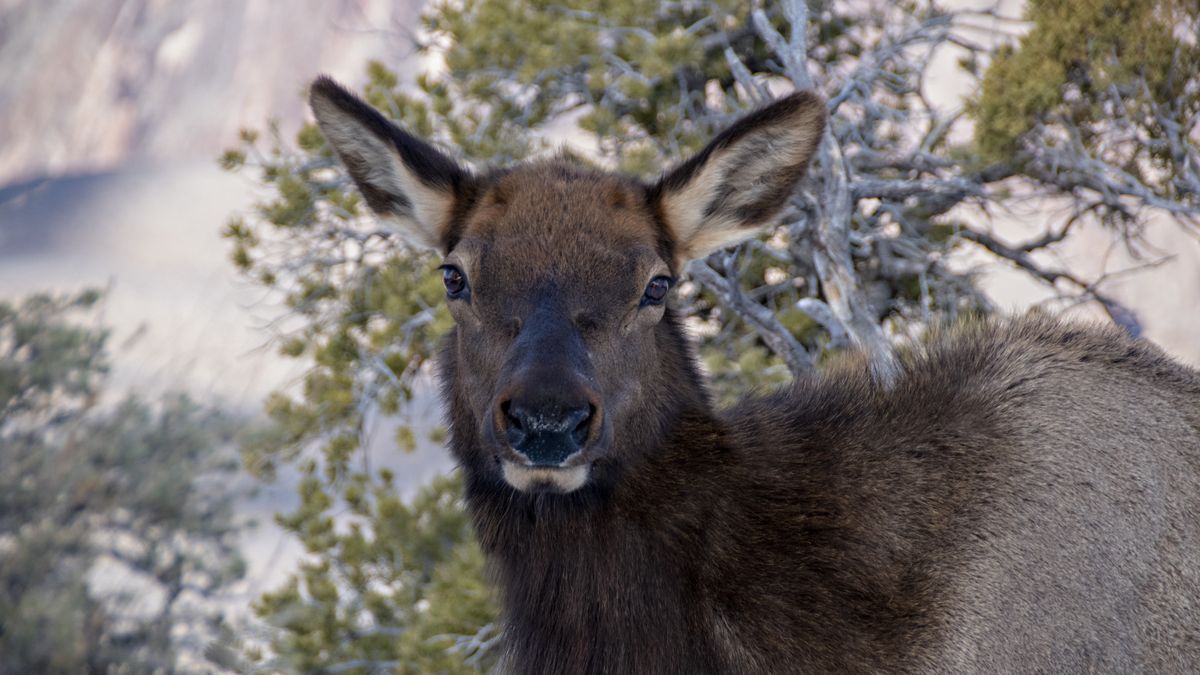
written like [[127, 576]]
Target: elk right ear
[[732, 188], [400, 176]]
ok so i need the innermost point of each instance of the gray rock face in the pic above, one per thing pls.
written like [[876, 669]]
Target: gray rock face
[[87, 85]]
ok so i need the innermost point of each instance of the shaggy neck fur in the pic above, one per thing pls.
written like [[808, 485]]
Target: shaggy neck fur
[[601, 580]]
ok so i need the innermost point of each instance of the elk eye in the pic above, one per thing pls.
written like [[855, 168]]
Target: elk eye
[[656, 290], [456, 283]]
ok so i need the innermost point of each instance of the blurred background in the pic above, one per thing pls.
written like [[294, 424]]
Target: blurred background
[[220, 445]]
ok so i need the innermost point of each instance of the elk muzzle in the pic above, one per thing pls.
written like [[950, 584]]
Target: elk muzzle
[[547, 417]]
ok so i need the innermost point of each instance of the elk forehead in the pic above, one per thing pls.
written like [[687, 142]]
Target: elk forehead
[[564, 220]]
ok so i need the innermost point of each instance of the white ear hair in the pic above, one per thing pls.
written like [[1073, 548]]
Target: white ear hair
[[732, 188], [400, 176]]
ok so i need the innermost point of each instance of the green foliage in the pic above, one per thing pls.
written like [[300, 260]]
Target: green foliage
[[46, 362], [1077, 53], [397, 584], [530, 62], [75, 478]]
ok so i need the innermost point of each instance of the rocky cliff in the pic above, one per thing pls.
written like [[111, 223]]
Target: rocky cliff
[[88, 85]]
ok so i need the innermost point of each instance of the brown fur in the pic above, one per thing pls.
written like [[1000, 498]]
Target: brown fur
[[1024, 498]]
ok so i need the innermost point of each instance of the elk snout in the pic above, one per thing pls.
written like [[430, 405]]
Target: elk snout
[[547, 433], [548, 416]]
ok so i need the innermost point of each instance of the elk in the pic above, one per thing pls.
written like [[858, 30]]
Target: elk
[[1023, 497]]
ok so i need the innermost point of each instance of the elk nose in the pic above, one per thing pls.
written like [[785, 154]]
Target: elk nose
[[548, 434]]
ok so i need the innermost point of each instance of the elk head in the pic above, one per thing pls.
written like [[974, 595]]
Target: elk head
[[565, 365]]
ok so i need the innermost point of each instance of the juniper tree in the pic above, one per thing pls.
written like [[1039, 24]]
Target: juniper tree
[[1095, 104], [142, 488]]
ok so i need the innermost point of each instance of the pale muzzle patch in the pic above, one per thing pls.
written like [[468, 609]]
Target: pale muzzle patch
[[535, 478]]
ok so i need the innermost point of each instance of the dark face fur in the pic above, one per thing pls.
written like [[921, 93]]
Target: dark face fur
[[559, 368], [550, 352]]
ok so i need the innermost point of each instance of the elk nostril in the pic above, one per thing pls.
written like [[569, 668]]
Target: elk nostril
[[580, 433], [515, 418], [514, 421]]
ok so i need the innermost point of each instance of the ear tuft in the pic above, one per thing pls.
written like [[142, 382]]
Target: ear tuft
[[399, 175], [734, 186]]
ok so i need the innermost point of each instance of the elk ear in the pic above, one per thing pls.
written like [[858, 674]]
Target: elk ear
[[732, 188], [400, 176]]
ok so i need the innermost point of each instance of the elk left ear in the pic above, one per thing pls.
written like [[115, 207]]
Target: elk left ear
[[734, 186]]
